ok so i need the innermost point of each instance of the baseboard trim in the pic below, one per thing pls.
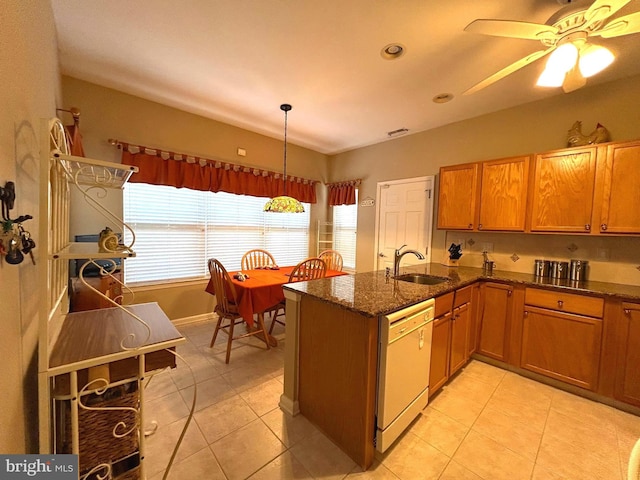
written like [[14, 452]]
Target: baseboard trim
[[289, 406], [203, 317]]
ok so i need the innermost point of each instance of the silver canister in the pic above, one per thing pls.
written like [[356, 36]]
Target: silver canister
[[559, 269], [541, 268], [578, 270]]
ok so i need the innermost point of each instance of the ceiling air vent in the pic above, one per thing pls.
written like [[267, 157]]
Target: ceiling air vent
[[397, 133]]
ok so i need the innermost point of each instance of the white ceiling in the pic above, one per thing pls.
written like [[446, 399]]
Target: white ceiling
[[236, 61]]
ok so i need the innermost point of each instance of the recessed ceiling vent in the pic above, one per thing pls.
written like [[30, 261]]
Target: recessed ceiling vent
[[399, 132]]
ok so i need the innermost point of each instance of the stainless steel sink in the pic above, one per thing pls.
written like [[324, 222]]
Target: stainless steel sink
[[421, 278]]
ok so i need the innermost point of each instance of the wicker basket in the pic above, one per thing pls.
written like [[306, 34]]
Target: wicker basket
[[97, 443]]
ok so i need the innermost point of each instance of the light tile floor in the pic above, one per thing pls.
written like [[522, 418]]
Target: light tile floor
[[486, 424]]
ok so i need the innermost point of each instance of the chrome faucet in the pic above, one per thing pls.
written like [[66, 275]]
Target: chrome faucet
[[398, 256]]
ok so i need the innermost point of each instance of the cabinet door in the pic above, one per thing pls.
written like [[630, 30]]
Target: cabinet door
[[562, 193], [628, 373], [561, 345], [621, 194], [474, 321], [495, 320], [439, 372], [460, 322], [503, 194], [457, 197]]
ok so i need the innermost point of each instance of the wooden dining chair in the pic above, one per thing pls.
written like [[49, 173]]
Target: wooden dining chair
[[227, 308], [333, 259], [256, 258], [309, 269]]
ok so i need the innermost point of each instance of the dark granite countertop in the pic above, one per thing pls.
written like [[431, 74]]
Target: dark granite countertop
[[372, 294]]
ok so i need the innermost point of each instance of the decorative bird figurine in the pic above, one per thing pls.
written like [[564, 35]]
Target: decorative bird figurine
[[576, 138]]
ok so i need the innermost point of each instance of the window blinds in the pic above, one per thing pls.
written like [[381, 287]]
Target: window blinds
[[178, 230], [345, 223]]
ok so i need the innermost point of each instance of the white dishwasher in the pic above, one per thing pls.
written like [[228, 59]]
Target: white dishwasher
[[403, 370]]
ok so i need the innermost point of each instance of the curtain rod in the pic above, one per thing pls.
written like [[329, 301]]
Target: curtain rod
[[159, 151]]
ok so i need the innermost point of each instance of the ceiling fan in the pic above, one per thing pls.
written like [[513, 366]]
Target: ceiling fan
[[572, 58]]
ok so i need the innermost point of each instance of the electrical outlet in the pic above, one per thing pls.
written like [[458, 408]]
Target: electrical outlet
[[603, 254], [487, 247]]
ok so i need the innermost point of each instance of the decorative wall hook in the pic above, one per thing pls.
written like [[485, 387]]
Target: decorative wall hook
[[15, 241]]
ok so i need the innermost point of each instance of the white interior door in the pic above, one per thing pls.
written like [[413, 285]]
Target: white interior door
[[404, 216]]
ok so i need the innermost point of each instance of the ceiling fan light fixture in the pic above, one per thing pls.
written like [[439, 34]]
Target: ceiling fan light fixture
[[551, 78], [563, 58], [594, 59]]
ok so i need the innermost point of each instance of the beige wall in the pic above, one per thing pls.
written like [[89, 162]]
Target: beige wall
[[30, 85], [535, 127], [107, 113]]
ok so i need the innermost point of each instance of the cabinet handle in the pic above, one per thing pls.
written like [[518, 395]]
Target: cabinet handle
[[560, 303], [470, 225], [480, 227], [603, 226], [509, 292], [587, 227], [526, 314], [627, 311]]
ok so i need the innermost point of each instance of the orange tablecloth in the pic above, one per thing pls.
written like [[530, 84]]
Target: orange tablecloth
[[262, 290]]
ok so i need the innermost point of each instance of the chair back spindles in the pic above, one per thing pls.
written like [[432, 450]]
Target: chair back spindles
[[256, 258], [333, 259], [222, 284], [310, 269]]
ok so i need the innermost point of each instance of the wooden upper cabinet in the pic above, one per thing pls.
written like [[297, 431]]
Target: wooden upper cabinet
[[457, 200], [562, 192], [621, 191], [503, 194]]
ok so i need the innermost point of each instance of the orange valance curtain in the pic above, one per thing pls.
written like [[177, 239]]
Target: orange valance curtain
[[178, 170], [343, 193]]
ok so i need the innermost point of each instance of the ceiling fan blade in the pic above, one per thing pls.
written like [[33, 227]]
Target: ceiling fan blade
[[573, 80], [621, 26], [523, 62], [602, 9], [512, 29]]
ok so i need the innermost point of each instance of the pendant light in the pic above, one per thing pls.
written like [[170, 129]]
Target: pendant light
[[284, 204]]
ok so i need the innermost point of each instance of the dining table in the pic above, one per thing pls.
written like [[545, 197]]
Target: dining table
[[261, 291]]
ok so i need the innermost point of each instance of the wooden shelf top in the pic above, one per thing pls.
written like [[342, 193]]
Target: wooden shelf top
[[94, 337]]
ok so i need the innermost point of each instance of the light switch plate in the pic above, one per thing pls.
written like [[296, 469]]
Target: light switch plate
[[603, 254]]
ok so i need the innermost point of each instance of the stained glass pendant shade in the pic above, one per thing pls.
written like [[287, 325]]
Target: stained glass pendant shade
[[283, 203]]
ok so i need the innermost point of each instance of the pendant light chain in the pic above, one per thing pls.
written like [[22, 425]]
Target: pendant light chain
[[285, 108], [284, 203]]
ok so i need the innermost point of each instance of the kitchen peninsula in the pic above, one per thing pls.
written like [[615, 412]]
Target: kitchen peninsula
[[583, 337]]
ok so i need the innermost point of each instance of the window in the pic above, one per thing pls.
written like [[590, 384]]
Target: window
[[177, 230], [345, 223]]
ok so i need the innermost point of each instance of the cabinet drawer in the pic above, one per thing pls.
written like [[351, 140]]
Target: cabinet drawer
[[565, 302], [444, 304], [463, 295]]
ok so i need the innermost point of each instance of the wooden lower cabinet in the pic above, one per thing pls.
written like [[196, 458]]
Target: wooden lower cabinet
[[495, 320], [560, 345], [451, 336], [460, 322], [627, 387], [440, 341]]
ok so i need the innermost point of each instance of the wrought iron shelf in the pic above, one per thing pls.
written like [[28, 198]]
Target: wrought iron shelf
[[87, 171]]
